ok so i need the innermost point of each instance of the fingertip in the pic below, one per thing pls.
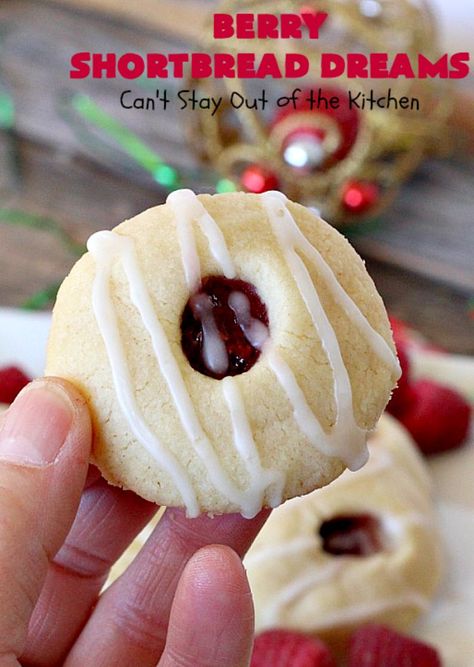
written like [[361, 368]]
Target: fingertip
[[214, 569], [212, 611]]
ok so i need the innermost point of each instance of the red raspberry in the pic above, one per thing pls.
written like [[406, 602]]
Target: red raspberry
[[12, 381], [379, 646], [437, 417], [283, 648]]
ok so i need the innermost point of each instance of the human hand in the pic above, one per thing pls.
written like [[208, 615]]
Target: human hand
[[181, 602]]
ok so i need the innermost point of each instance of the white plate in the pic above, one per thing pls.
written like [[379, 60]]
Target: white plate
[[23, 338], [450, 624]]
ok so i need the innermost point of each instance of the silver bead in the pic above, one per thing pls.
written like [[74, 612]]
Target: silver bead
[[371, 9], [304, 152]]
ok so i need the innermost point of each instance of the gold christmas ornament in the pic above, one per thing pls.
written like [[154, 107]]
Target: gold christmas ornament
[[343, 144]]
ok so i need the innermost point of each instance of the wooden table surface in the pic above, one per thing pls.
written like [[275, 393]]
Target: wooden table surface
[[420, 255]]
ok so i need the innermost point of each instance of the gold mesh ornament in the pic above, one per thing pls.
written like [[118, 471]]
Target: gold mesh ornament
[[305, 153]]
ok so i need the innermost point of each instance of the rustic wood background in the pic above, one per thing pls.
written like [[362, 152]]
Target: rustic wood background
[[421, 256]]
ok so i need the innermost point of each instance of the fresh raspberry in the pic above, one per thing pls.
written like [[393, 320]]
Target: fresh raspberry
[[12, 381], [401, 394], [379, 646], [283, 648], [437, 417]]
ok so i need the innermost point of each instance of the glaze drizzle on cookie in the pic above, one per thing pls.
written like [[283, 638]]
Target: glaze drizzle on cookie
[[321, 569], [346, 440], [106, 247]]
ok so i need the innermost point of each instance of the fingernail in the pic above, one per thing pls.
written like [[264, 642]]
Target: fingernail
[[36, 425]]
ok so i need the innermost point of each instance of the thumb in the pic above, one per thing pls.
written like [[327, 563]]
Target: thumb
[[44, 454]]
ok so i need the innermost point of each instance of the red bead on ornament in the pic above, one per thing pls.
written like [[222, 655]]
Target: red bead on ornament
[[257, 179], [360, 196]]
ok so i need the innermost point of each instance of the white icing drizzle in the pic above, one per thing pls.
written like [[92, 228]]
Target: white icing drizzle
[[214, 351], [276, 552], [358, 613], [187, 207], [297, 241], [254, 331], [104, 246], [272, 613], [303, 414], [346, 440], [393, 527], [379, 460], [261, 479], [189, 253]]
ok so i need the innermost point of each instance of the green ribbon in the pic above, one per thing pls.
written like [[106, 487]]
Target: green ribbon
[[163, 173], [7, 111], [15, 217], [362, 228], [42, 298]]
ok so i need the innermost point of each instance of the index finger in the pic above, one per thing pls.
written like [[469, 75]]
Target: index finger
[[130, 622]]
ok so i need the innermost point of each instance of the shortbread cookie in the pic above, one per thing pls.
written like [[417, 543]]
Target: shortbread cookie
[[232, 348], [363, 549]]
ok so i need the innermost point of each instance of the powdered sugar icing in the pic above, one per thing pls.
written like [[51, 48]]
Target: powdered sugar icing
[[346, 440]]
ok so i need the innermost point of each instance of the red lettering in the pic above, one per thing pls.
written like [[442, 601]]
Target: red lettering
[[357, 66], [296, 65], [459, 64], [223, 26], [314, 22], [224, 66], [245, 29], [201, 67], [378, 65], [156, 66], [401, 66], [178, 60], [131, 66], [267, 26], [246, 65], [427, 69], [105, 63], [291, 26], [269, 67], [80, 64], [332, 65]]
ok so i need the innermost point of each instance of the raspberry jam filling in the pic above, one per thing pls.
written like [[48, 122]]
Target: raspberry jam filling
[[224, 327], [358, 535]]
